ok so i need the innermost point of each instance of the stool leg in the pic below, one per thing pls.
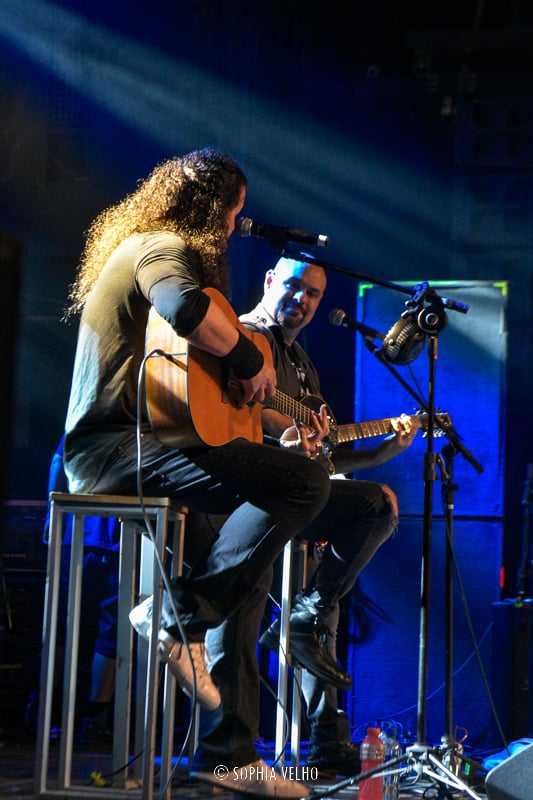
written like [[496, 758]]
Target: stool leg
[[283, 655], [71, 651], [49, 636], [169, 691], [124, 666], [145, 588], [152, 675], [300, 557], [294, 555]]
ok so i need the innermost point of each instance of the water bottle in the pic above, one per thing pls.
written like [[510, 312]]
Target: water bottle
[[393, 749], [372, 753]]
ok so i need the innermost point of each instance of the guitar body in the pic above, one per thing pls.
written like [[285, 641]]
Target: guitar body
[[190, 399]]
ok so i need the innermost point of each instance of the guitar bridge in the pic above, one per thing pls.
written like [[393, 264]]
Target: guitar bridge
[[231, 391]]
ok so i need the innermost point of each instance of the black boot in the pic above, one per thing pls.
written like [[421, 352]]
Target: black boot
[[308, 642], [335, 758], [331, 749]]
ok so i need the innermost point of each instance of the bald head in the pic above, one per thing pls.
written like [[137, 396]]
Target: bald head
[[292, 293]]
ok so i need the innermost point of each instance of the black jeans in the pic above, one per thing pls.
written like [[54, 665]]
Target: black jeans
[[357, 519], [269, 494]]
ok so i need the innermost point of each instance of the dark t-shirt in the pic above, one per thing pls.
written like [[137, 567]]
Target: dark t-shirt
[[147, 269]]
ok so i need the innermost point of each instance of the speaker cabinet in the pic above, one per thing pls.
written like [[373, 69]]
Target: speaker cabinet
[[469, 383], [513, 778], [385, 664], [512, 669]]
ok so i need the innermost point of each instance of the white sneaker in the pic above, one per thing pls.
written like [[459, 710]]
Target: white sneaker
[[185, 663], [257, 779], [141, 618]]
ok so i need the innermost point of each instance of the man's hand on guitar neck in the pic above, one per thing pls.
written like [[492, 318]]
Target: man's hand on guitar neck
[[405, 429], [306, 439]]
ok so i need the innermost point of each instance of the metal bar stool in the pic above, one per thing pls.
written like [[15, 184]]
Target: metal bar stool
[[294, 576], [137, 779]]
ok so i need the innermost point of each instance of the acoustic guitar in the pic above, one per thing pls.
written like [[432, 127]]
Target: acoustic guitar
[[193, 400]]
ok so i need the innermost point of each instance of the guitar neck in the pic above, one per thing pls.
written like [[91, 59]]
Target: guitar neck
[[351, 432], [290, 407], [363, 430], [340, 433]]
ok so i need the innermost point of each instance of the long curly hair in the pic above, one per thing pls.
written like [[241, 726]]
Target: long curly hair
[[188, 195]]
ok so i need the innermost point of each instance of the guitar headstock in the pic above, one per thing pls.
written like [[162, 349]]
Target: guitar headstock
[[442, 421]]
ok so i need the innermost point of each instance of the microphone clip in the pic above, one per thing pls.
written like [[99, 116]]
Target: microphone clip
[[419, 294], [423, 292], [431, 319]]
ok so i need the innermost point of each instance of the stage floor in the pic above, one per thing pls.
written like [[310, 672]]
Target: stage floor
[[17, 770]]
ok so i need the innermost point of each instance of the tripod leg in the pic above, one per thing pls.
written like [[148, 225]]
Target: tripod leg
[[450, 779]]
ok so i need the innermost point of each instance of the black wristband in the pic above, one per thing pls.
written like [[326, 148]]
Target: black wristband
[[246, 360]]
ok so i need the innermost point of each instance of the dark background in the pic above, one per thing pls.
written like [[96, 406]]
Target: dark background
[[402, 130]]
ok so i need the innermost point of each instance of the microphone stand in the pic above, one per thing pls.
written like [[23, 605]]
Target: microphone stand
[[448, 494], [430, 321]]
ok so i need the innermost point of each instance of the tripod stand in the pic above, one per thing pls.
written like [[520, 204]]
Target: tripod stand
[[431, 765], [451, 754]]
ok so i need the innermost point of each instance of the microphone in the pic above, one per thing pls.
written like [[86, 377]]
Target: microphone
[[404, 342], [245, 226], [339, 317]]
